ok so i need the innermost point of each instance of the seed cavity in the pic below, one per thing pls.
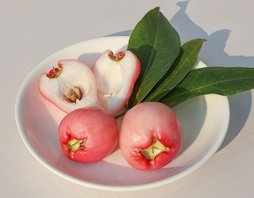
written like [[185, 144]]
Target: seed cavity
[[55, 72], [118, 57], [69, 91], [73, 94]]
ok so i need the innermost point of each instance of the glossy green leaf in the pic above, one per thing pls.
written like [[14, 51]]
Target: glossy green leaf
[[217, 80], [185, 61], [157, 44]]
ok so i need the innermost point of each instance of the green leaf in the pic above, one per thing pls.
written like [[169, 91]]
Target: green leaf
[[218, 80], [185, 61], [157, 44]]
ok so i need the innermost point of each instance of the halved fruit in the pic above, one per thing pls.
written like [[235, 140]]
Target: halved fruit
[[70, 86], [115, 77]]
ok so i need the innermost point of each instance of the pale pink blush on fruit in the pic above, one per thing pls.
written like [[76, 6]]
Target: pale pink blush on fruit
[[115, 77], [70, 86], [88, 135], [150, 136]]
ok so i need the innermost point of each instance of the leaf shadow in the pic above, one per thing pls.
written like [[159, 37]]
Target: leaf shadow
[[213, 51], [213, 54], [89, 58]]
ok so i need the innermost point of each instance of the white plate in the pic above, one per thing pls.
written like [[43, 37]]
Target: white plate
[[204, 119]]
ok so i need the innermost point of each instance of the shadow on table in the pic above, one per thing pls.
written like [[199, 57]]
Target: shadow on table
[[213, 54]]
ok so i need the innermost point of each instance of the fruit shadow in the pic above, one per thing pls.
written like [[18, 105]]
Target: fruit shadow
[[122, 33], [192, 114], [117, 173], [90, 58]]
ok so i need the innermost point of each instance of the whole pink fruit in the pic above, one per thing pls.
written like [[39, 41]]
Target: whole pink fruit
[[88, 134], [150, 136]]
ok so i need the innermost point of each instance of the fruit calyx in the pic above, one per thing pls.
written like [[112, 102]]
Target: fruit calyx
[[153, 150], [118, 57], [55, 71], [73, 145]]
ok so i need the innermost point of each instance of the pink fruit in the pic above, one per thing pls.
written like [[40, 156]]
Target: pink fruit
[[150, 136], [115, 77], [70, 86], [88, 135]]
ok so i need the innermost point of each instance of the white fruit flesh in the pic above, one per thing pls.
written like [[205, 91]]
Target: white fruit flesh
[[75, 74], [115, 79]]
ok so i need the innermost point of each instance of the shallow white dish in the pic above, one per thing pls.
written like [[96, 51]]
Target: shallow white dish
[[204, 120]]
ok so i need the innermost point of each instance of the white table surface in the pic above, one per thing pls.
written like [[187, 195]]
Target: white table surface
[[32, 30]]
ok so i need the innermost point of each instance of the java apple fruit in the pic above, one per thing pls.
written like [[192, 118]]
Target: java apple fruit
[[150, 136], [70, 86], [88, 135], [115, 77]]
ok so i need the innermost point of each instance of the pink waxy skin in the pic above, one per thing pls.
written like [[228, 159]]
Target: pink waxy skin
[[150, 136], [88, 135], [70, 86], [115, 77]]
